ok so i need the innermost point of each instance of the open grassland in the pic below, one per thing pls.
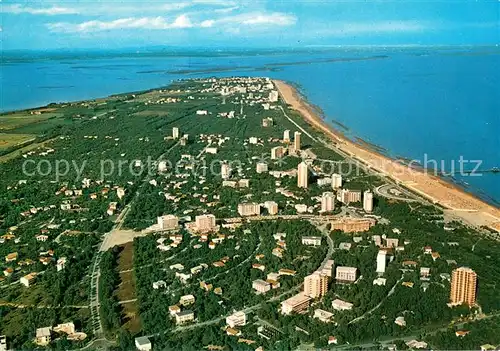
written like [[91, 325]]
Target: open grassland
[[151, 113], [16, 120], [11, 140], [126, 289], [16, 153]]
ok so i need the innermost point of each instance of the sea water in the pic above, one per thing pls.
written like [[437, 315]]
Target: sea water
[[414, 103]]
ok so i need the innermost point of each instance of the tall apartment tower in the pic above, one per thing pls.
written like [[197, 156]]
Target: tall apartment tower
[[296, 141], [381, 261], [168, 222], [336, 181], [315, 285], [273, 96], [302, 175], [286, 136], [225, 171], [368, 201], [277, 152], [327, 202], [205, 222], [175, 133], [463, 286]]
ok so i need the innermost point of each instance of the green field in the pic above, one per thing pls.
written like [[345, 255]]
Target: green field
[[11, 140], [13, 121]]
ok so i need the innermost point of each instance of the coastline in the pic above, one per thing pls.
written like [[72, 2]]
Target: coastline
[[457, 201]]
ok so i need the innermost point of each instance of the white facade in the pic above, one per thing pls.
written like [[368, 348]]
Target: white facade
[[336, 181], [277, 152], [261, 167], [249, 209], [205, 222], [327, 202], [381, 261], [236, 319], [296, 140], [273, 96], [368, 201], [340, 305], [143, 344], [272, 207], [311, 240], [225, 171], [302, 175], [286, 136], [175, 133], [168, 222]]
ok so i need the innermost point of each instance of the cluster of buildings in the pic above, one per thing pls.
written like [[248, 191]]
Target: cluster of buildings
[[44, 335]]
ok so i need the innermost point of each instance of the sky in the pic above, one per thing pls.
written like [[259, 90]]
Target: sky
[[113, 24]]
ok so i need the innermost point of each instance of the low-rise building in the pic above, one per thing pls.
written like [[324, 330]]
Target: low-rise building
[[311, 240], [28, 279], [353, 225], [341, 305], [184, 317], [173, 310], [400, 321], [285, 271], [346, 274], [261, 286], [236, 319], [261, 167], [43, 336], [143, 343], [295, 304], [186, 300], [322, 315]]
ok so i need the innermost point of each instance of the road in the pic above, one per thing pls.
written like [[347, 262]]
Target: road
[[95, 266], [355, 320], [296, 288], [383, 190]]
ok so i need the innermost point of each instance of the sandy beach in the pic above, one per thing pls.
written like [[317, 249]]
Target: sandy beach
[[458, 202]]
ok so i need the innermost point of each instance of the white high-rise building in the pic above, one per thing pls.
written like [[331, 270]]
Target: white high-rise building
[[286, 136], [381, 261], [249, 209], [327, 202], [368, 201], [277, 152], [168, 222], [302, 175], [315, 285], [175, 133], [205, 222], [296, 141], [336, 181], [225, 171], [272, 207], [273, 96]]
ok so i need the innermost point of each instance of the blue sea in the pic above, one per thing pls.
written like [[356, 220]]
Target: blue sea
[[416, 103]]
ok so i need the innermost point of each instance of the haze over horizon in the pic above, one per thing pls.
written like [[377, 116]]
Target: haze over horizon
[[235, 23]]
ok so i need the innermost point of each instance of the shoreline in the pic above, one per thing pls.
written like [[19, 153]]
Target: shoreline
[[433, 188]]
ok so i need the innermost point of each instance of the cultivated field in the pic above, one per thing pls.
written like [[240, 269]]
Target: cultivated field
[[12, 121], [10, 140]]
